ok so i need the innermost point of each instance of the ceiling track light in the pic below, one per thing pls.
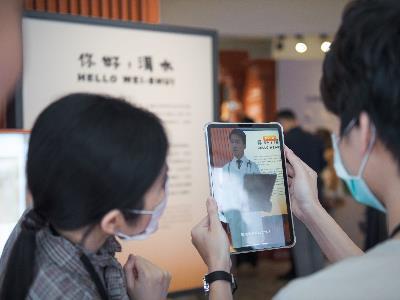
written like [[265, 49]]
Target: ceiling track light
[[325, 43], [301, 46]]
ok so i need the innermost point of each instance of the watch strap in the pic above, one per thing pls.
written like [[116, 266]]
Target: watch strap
[[219, 275]]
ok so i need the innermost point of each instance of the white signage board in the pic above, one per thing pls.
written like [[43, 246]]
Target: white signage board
[[13, 196], [168, 70]]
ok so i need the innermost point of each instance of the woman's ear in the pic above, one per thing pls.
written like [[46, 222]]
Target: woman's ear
[[112, 221], [365, 132]]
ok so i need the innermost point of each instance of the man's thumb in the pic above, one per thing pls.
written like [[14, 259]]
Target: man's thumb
[[212, 210]]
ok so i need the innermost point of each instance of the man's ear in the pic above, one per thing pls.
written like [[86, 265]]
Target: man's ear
[[365, 129], [112, 221]]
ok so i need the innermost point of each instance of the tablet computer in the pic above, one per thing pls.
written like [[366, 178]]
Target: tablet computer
[[248, 179]]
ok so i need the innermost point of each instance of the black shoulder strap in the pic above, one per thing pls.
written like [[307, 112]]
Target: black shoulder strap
[[395, 231], [95, 277]]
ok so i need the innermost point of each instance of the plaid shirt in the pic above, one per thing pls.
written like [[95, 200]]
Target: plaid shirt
[[61, 275]]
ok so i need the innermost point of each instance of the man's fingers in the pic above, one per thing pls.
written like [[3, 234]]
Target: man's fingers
[[290, 170], [129, 271], [203, 223], [200, 227], [212, 210], [295, 161], [291, 157]]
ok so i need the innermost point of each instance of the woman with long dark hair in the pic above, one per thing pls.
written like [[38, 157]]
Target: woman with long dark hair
[[96, 169]]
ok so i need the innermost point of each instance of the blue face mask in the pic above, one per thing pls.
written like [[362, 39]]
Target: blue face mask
[[356, 184]]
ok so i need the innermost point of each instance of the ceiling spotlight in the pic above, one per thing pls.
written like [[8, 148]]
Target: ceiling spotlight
[[300, 47], [325, 46]]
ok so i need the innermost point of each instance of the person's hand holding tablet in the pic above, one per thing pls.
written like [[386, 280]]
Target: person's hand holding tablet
[[211, 241], [302, 182]]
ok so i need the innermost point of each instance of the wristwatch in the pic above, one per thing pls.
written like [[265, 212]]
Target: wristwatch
[[218, 275]]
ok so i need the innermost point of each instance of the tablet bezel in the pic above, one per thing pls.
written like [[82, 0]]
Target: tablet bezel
[[273, 125]]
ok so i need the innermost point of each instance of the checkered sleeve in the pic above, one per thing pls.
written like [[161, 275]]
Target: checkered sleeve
[[52, 283]]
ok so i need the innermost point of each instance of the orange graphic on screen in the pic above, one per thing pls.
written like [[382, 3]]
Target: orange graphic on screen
[[270, 138]]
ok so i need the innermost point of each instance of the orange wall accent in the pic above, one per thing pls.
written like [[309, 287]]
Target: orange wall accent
[[147, 11], [221, 153], [133, 9], [74, 7], [84, 7], [29, 4], [52, 6], [63, 6], [234, 64], [124, 10], [259, 99], [40, 5], [150, 11], [95, 8]]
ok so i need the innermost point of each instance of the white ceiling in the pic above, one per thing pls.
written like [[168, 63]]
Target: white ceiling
[[255, 18]]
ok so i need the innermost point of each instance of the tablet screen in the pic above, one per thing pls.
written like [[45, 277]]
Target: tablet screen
[[248, 180]]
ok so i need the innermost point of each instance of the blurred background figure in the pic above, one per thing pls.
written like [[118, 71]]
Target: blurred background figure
[[334, 191], [306, 257]]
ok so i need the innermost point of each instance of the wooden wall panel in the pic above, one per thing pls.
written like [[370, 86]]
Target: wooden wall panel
[[147, 11], [134, 10], [221, 152], [74, 7], [52, 6], [95, 8], [124, 10], [105, 9], [260, 91], [115, 10], [84, 9], [40, 5], [63, 6], [150, 11], [29, 4]]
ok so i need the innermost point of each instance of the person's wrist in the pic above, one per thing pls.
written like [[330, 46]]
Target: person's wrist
[[219, 266], [310, 212], [220, 284]]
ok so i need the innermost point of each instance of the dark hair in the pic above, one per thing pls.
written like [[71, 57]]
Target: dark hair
[[239, 133], [88, 154], [361, 72], [286, 114]]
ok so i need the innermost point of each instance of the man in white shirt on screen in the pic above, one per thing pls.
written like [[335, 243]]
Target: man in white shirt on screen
[[231, 195], [240, 165]]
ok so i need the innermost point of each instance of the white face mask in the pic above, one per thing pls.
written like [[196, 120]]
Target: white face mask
[[153, 224]]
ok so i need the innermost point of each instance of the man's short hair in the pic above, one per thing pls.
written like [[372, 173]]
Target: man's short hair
[[239, 133], [286, 114], [361, 71]]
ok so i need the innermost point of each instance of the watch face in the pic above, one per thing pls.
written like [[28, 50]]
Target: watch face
[[234, 285], [206, 286]]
